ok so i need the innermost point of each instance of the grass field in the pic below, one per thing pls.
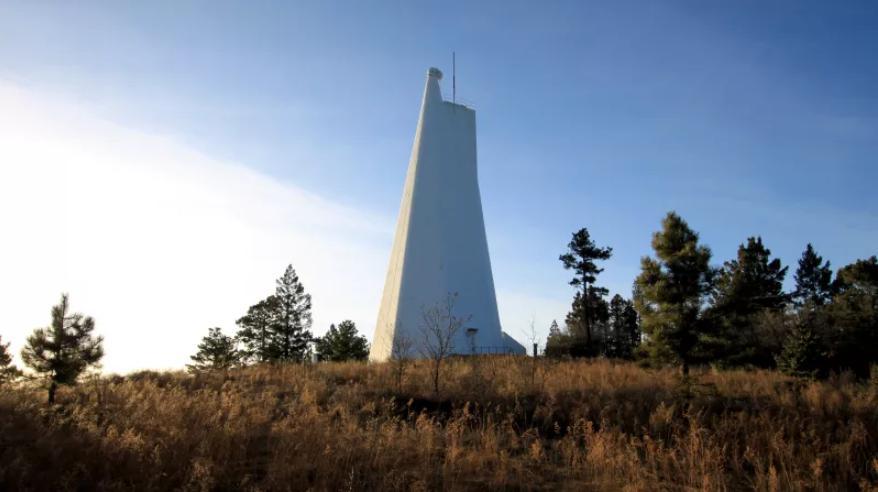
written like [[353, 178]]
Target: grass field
[[498, 423]]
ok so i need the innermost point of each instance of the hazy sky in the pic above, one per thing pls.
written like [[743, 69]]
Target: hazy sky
[[164, 161]]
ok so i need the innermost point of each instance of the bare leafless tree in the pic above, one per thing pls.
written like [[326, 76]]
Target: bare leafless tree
[[439, 328], [531, 335], [400, 355]]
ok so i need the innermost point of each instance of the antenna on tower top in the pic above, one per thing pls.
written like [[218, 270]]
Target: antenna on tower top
[[453, 78]]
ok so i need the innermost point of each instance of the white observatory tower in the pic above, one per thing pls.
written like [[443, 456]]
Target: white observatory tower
[[440, 247]]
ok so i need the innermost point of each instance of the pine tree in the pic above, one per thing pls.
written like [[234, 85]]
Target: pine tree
[[860, 276], [558, 342], [813, 279], [853, 338], [624, 328], [554, 330], [342, 343], [255, 330], [290, 331], [8, 371], [801, 355], [596, 310], [582, 252], [744, 287], [215, 352], [65, 349], [672, 288]]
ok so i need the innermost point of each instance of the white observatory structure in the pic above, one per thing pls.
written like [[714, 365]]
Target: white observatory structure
[[440, 246]]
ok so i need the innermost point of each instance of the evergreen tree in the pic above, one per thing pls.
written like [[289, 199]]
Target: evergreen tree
[[558, 343], [672, 288], [255, 330], [290, 331], [8, 371], [215, 352], [853, 318], [860, 277], [624, 329], [554, 330], [801, 355], [744, 287], [342, 343], [813, 279], [582, 252], [65, 349], [596, 311]]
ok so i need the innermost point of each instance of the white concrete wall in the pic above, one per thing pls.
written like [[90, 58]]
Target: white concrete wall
[[440, 245]]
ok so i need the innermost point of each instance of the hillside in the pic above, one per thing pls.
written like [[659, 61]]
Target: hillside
[[497, 424]]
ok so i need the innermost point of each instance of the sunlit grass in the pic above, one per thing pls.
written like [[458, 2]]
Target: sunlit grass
[[496, 424]]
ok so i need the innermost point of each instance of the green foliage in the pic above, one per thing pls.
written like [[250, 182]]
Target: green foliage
[[290, 331], [8, 371], [671, 291], [582, 252], [860, 277], [744, 288], [813, 279], [580, 257], [852, 318], [215, 352], [624, 329], [65, 349], [802, 353], [558, 342], [255, 331], [277, 328], [587, 323], [342, 343]]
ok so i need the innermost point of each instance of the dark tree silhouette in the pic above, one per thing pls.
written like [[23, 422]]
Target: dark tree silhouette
[[624, 332], [215, 352], [745, 287], [582, 252], [65, 349], [853, 314], [290, 330], [813, 279], [342, 343], [255, 330], [8, 371]]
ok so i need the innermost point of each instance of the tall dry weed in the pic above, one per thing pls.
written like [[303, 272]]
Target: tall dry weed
[[574, 425]]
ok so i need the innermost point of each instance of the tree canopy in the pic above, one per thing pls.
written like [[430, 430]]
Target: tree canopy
[[277, 328], [64, 349], [581, 255], [744, 288], [342, 343], [813, 279], [216, 351], [8, 371], [672, 289], [290, 333]]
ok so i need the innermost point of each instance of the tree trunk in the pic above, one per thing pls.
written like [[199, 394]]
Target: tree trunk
[[684, 369], [585, 316], [52, 387], [436, 376]]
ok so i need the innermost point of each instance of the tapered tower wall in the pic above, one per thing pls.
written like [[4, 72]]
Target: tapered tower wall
[[440, 246]]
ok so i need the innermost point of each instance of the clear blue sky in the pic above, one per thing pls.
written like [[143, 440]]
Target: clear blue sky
[[746, 117]]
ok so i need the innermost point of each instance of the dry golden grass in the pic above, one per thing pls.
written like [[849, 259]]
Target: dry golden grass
[[574, 426]]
